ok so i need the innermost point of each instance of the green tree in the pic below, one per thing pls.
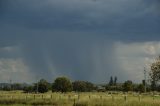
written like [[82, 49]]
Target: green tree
[[83, 86], [128, 86], [141, 88], [17, 86], [153, 85], [62, 84], [155, 73], [6, 88], [79, 86], [90, 86], [28, 89], [111, 81], [115, 80], [43, 86]]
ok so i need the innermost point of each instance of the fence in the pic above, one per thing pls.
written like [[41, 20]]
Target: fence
[[76, 97]]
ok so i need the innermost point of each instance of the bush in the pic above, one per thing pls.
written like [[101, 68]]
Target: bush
[[83, 86], [128, 86], [43, 86], [28, 89], [62, 84]]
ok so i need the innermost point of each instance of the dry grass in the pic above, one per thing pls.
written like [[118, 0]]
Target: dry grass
[[16, 98]]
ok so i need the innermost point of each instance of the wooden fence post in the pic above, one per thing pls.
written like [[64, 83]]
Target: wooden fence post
[[139, 98], [42, 96], [26, 97], [125, 98], [74, 102], [59, 97], [89, 96], [112, 98], [101, 97], [69, 97], [34, 96]]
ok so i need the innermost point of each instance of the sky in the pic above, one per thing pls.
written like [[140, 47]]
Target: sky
[[80, 39]]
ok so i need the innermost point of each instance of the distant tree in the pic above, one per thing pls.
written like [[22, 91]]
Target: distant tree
[[141, 88], [28, 89], [83, 86], [111, 81], [155, 73], [158, 88], [115, 80], [17, 86], [79, 86], [153, 85], [62, 84], [90, 86], [43, 86], [128, 86], [7, 88], [110, 88]]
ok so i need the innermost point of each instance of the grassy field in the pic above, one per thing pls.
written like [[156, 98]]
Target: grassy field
[[17, 98]]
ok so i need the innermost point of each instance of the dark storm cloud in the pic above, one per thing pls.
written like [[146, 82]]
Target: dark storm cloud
[[70, 55], [75, 37], [104, 16]]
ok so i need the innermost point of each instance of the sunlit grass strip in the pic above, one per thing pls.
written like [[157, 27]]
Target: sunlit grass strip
[[78, 99]]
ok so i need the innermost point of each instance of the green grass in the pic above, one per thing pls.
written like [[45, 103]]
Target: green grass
[[17, 98]]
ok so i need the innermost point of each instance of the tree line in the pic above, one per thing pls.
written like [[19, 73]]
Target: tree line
[[64, 84], [61, 84]]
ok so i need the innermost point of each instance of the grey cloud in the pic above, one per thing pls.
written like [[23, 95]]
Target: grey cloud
[[15, 70], [108, 16], [76, 37]]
